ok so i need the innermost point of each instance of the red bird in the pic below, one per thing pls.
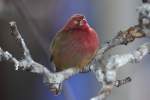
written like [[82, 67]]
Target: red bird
[[74, 45]]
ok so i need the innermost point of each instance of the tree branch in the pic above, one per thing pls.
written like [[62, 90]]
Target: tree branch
[[104, 70], [52, 80], [108, 76]]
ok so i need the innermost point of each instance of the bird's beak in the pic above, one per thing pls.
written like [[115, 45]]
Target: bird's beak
[[82, 22]]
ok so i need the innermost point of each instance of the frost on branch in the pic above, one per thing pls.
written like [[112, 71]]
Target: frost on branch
[[115, 62], [104, 69], [52, 80]]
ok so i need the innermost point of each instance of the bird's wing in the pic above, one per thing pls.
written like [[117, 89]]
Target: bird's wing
[[53, 67], [52, 46]]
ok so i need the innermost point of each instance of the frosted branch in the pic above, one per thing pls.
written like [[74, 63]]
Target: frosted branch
[[108, 76], [52, 80], [104, 70], [120, 60]]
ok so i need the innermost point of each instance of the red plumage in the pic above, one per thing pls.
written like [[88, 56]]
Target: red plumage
[[75, 44]]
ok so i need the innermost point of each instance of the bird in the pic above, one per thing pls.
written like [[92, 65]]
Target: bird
[[75, 45]]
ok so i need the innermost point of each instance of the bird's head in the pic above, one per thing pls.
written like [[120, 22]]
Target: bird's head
[[77, 21]]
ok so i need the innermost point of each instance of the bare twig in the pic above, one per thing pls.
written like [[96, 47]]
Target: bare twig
[[119, 83]]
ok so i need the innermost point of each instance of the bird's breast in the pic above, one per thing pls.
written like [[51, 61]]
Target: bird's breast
[[76, 49]]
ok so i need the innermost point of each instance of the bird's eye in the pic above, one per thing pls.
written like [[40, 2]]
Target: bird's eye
[[75, 22]]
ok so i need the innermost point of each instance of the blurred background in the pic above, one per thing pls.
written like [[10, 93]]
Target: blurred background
[[39, 20]]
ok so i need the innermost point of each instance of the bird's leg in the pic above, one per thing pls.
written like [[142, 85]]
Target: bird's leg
[[90, 67], [86, 69]]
